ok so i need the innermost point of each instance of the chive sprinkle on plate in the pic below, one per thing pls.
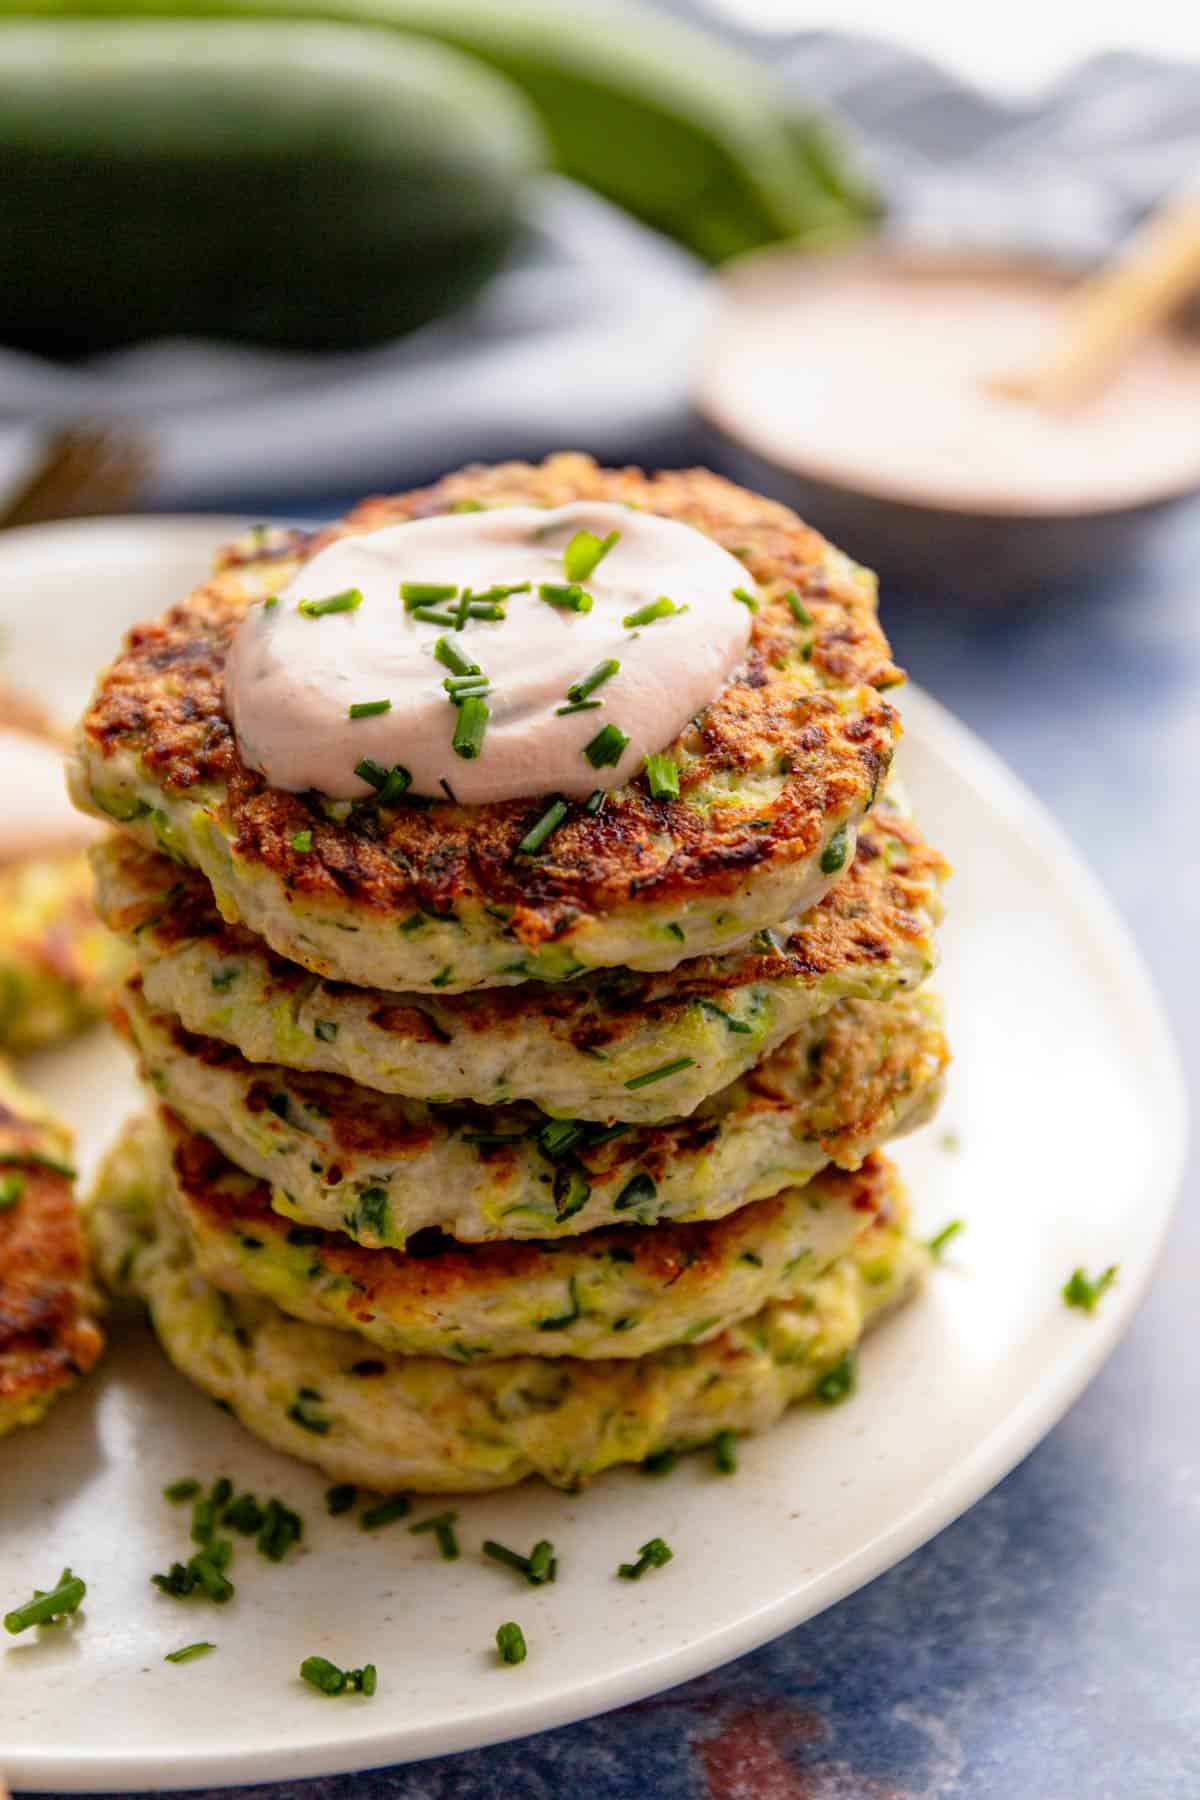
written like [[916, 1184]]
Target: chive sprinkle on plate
[[369, 709]]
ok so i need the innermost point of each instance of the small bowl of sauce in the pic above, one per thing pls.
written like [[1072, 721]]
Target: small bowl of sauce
[[861, 389]]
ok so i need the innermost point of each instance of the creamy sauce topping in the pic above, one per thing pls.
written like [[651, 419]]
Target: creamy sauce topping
[[878, 377], [292, 677], [36, 817]]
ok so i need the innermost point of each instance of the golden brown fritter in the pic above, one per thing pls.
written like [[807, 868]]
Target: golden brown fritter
[[789, 754], [382, 1167], [48, 1336], [621, 1292], [609, 1045]]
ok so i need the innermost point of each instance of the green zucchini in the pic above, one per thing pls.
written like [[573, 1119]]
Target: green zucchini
[[683, 131], [290, 183]]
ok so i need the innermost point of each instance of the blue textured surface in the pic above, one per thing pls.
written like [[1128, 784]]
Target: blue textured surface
[[1048, 1644]]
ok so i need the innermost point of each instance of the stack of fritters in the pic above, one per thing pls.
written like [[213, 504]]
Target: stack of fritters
[[470, 1162]]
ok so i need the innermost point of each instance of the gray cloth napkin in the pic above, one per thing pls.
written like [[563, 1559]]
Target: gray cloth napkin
[[589, 338]]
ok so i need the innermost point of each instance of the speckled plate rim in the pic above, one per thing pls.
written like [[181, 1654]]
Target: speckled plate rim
[[495, 1709]]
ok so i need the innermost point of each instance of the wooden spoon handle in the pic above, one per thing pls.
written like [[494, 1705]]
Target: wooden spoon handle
[[1110, 311]]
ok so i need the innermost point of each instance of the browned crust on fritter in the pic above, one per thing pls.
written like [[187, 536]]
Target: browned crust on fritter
[[866, 918], [47, 1338], [163, 701], [846, 1084], [849, 1083], [435, 1268]]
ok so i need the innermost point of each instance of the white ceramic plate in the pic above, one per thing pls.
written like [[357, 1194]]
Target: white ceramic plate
[[1067, 1105]]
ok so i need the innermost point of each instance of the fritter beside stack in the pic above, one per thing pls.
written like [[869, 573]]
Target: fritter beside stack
[[470, 1162], [48, 1333]]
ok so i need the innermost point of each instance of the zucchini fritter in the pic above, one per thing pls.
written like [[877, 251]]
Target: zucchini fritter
[[380, 1167], [775, 774], [426, 1424], [48, 1335], [611, 1045]]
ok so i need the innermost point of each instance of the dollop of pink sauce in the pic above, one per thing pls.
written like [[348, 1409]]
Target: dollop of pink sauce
[[292, 679], [877, 377]]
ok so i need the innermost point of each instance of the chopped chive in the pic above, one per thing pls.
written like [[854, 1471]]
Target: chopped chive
[[320, 1673], [386, 1512], [272, 600], [725, 1454], [217, 1586], [585, 552], [189, 1653], [833, 856], [543, 1564], [12, 1187], [426, 593], [798, 609], [559, 1137], [660, 1074], [245, 1515], [349, 600], [368, 770], [501, 591], [1084, 1292], [340, 1499], [549, 822], [662, 1462], [938, 1242], [567, 596], [470, 726], [389, 784], [607, 747], [451, 654], [435, 615], [595, 678], [745, 598], [539, 1567], [368, 1679], [662, 608], [369, 709], [469, 690], [484, 609], [302, 842], [399, 780], [179, 1491], [652, 1555], [281, 1528], [65, 1597], [468, 506], [510, 1642], [838, 1383], [442, 1527], [595, 800], [663, 777], [512, 1559], [577, 706]]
